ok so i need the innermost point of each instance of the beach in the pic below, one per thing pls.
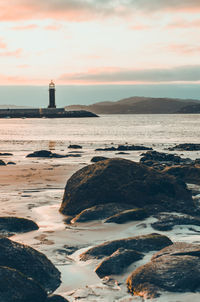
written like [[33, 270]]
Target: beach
[[34, 188]]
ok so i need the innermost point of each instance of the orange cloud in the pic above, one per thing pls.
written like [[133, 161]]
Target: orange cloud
[[79, 10], [2, 45], [184, 49]]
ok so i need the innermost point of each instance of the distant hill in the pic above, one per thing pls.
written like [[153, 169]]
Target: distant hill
[[139, 105]]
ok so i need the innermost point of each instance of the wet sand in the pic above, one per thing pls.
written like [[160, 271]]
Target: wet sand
[[34, 189]]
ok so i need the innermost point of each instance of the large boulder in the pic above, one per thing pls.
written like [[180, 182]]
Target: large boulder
[[117, 262], [144, 243], [30, 262], [10, 225], [126, 182], [187, 173], [174, 269], [16, 287]]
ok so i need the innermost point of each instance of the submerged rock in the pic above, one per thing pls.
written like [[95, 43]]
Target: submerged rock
[[185, 147], [96, 159], [29, 262], [2, 163], [128, 215], [99, 212], [174, 269], [45, 154], [11, 163], [6, 154], [10, 225], [75, 147], [125, 182], [124, 148], [16, 287], [117, 262], [144, 243], [166, 222]]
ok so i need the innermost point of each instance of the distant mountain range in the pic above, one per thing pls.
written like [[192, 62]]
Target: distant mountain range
[[142, 105]]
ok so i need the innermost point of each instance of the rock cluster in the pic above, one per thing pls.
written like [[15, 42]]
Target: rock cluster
[[124, 148]]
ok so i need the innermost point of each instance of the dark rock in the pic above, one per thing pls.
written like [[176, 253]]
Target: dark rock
[[10, 225], [124, 148], [188, 174], [125, 182], [160, 156], [55, 298], [2, 163], [166, 222], [96, 159], [122, 152], [179, 248], [11, 163], [30, 262], [117, 262], [16, 287], [99, 212], [132, 148], [75, 146], [73, 155], [185, 147], [128, 215], [45, 154], [144, 243], [173, 269], [6, 154]]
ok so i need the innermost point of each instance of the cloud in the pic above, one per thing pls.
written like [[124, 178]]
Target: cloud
[[11, 53], [25, 27], [83, 10], [184, 49], [2, 45], [117, 75], [182, 24]]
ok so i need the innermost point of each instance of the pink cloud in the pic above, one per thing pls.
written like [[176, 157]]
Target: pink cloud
[[53, 27], [3, 45], [13, 53], [184, 48], [79, 10], [184, 24], [25, 27]]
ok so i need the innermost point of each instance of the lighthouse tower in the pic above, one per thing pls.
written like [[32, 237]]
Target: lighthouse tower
[[52, 100]]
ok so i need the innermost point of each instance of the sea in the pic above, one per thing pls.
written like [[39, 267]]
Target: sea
[[23, 136]]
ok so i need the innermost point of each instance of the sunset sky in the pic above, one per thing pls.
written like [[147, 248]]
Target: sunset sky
[[90, 42], [99, 41]]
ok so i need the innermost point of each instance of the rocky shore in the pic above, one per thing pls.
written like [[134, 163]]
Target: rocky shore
[[120, 220]]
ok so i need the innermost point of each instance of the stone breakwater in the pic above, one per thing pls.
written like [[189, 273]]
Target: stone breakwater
[[44, 112]]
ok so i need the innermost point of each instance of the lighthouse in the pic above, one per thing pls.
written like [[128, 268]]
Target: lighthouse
[[52, 101]]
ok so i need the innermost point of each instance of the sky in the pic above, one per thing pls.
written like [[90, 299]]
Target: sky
[[128, 43]]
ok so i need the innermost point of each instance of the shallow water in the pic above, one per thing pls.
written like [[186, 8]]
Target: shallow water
[[41, 202]]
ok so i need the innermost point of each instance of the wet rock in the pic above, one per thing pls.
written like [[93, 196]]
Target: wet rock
[[166, 222], [16, 287], [11, 163], [75, 147], [188, 174], [124, 148], [11, 225], [29, 262], [73, 155], [117, 262], [173, 269], [96, 159], [45, 154], [144, 243], [2, 163], [185, 147], [6, 154], [122, 152], [128, 215], [99, 212], [56, 298], [125, 182]]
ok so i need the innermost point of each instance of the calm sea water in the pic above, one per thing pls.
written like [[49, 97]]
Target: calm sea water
[[31, 134]]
